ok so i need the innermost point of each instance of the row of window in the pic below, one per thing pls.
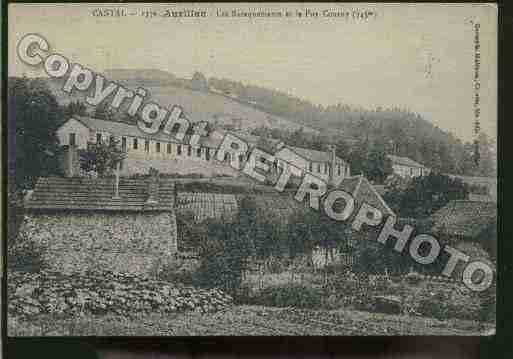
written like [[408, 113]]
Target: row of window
[[135, 146], [326, 168], [158, 146], [412, 172]]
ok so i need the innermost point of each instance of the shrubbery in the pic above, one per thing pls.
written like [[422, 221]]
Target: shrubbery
[[26, 256], [292, 295]]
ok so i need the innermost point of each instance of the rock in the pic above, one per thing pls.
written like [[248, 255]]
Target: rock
[[390, 304]]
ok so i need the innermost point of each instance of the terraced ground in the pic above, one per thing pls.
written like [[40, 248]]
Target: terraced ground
[[249, 320]]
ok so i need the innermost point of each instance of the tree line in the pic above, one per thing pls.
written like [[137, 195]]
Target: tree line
[[392, 130]]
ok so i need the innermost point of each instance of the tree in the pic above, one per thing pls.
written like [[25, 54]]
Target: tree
[[377, 167], [372, 257], [104, 112], [226, 249], [77, 108], [199, 82], [358, 157], [223, 254], [101, 157], [34, 116], [484, 156], [425, 195]]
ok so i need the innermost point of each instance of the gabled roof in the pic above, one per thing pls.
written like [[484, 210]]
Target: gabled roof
[[464, 218], [279, 208], [405, 161], [121, 129], [313, 155], [125, 129], [203, 206], [364, 192], [60, 193]]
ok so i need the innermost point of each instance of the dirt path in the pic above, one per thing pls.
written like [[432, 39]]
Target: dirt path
[[249, 320]]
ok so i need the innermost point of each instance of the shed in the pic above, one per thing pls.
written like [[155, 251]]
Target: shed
[[82, 224]]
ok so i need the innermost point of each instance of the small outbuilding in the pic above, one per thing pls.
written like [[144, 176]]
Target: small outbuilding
[[122, 225]]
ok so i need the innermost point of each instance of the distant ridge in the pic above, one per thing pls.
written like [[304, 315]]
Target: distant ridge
[[138, 74]]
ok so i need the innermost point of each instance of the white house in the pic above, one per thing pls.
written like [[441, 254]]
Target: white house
[[406, 167], [324, 165]]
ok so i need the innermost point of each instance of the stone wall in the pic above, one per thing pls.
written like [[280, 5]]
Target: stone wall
[[182, 165], [119, 242]]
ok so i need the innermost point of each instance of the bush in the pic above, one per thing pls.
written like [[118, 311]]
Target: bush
[[294, 295], [26, 256], [443, 301], [488, 309], [435, 306], [375, 258]]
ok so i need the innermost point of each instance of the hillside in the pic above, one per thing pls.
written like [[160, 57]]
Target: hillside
[[167, 90], [252, 109]]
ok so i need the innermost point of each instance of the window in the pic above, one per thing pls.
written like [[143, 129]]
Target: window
[[198, 152], [338, 169], [168, 148], [72, 139], [326, 166], [112, 140], [135, 143], [319, 168], [227, 156], [189, 150], [157, 146], [207, 154], [147, 146], [179, 150], [310, 166], [98, 138], [123, 143]]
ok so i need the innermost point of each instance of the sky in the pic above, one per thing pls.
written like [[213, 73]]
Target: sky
[[418, 57]]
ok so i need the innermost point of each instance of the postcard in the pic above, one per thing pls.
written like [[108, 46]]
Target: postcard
[[263, 169]]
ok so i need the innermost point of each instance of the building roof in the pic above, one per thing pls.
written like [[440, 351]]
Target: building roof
[[314, 155], [203, 205], [279, 208], [404, 161], [364, 192], [125, 129], [380, 188], [481, 197], [475, 179], [120, 129], [78, 193], [464, 218]]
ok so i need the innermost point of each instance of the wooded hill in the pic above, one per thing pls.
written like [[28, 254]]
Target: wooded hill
[[357, 131]]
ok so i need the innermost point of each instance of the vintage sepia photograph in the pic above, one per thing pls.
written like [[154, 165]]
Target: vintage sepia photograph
[[263, 169]]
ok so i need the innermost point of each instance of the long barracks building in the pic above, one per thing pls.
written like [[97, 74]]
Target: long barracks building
[[169, 155]]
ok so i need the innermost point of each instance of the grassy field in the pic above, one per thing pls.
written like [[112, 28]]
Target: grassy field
[[199, 106], [245, 321]]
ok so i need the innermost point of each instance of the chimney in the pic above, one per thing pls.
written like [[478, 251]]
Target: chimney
[[153, 186], [71, 163], [116, 182], [332, 164]]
